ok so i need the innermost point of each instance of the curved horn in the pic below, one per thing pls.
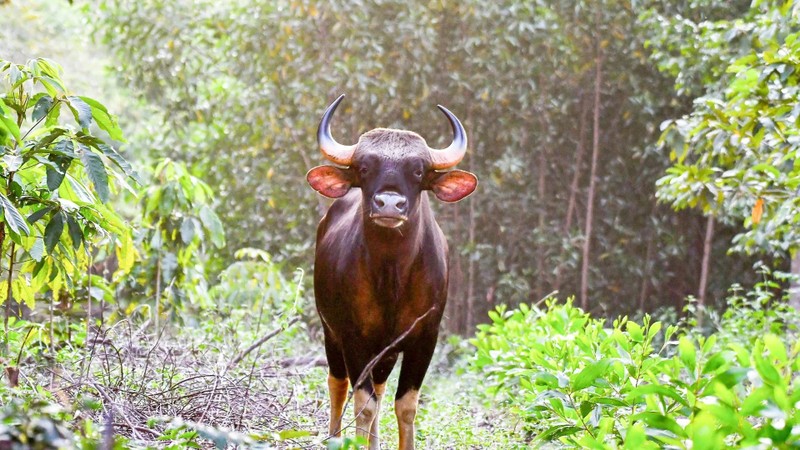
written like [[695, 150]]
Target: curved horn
[[452, 155], [332, 150]]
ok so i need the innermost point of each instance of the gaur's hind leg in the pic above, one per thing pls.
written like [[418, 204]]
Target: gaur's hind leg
[[416, 359], [337, 384]]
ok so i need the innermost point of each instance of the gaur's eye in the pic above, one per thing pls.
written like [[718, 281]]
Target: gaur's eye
[[418, 173], [363, 170]]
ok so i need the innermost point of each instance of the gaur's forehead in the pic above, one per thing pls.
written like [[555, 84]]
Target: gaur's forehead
[[392, 144]]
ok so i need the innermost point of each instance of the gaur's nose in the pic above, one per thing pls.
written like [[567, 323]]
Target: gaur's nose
[[389, 204]]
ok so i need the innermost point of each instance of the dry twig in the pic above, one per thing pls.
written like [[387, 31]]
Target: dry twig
[[261, 341]]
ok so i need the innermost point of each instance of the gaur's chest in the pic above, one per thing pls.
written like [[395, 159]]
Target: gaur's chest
[[382, 306]]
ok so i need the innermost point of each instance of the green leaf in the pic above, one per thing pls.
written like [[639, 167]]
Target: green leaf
[[81, 111], [609, 401], [12, 216], [97, 173], [65, 148], [52, 233], [88, 139], [33, 218], [589, 374], [15, 76], [659, 421], [54, 134], [51, 85], [635, 332], [635, 437], [41, 108], [36, 252], [13, 162], [53, 115], [49, 67], [637, 394], [56, 176], [8, 124], [687, 352], [557, 431], [767, 371], [717, 361], [776, 347], [212, 223], [293, 434], [187, 230], [104, 120], [75, 232], [75, 190], [732, 376], [120, 161]]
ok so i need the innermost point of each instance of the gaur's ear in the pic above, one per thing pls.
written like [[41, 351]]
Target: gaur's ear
[[330, 181], [454, 185]]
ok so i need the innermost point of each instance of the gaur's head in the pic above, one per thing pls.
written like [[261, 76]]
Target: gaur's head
[[392, 168]]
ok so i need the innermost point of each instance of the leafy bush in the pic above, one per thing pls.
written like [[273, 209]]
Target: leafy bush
[[31, 422], [56, 175], [36, 425], [178, 230], [575, 381], [252, 279]]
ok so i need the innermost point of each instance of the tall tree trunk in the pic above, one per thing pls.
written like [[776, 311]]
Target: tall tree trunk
[[704, 268], [455, 288], [573, 189], [541, 170], [644, 292], [468, 320], [542, 221], [576, 176], [598, 79], [794, 291]]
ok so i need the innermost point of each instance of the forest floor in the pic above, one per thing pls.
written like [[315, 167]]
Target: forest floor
[[192, 386]]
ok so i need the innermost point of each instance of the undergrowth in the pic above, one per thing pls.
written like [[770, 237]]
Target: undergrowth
[[576, 382], [126, 386]]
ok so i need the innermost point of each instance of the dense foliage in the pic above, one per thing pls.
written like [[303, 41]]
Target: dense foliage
[[636, 385], [242, 85], [736, 153]]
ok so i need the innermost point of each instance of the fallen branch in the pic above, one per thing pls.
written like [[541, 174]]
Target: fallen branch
[[305, 361], [261, 341], [111, 405]]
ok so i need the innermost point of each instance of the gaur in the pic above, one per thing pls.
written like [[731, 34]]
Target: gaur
[[381, 264]]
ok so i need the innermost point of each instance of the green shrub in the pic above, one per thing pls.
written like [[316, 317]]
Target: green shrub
[[57, 175], [28, 421], [575, 381], [751, 312]]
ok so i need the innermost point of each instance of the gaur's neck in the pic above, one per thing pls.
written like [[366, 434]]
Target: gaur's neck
[[387, 244]]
